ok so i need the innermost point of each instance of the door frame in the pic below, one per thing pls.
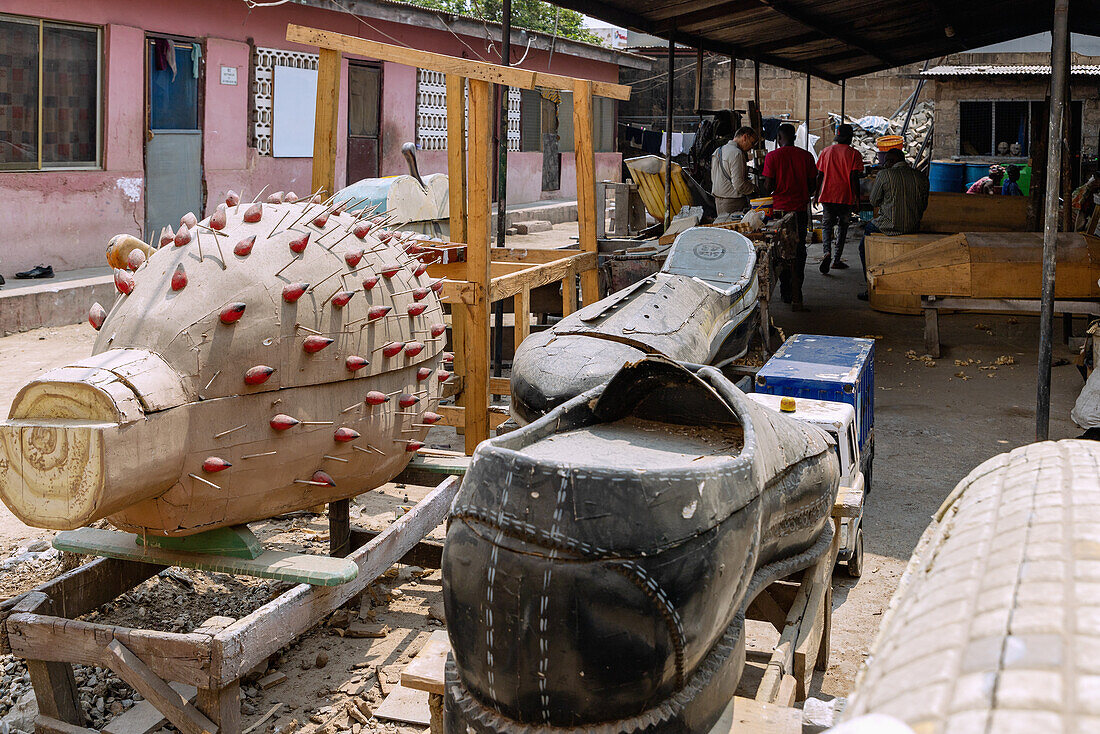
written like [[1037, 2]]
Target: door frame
[[200, 103], [378, 66]]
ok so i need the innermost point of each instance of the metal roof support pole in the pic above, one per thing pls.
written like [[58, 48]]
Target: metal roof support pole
[[698, 80], [807, 111], [756, 84], [1059, 69], [668, 130], [733, 83], [502, 179], [843, 93]]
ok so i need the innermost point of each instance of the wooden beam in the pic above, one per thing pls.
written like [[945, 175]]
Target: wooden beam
[[509, 76], [476, 389], [456, 416], [521, 310], [132, 669], [507, 286], [704, 16], [44, 724], [698, 78], [325, 119], [733, 83], [830, 28], [55, 689], [456, 155], [586, 183], [222, 705]]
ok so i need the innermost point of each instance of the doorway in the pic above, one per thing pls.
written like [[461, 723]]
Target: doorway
[[364, 105], [173, 138]]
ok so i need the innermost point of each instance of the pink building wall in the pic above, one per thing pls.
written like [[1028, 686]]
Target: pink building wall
[[65, 217]]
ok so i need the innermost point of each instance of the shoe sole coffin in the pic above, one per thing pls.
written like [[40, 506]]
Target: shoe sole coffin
[[591, 566]]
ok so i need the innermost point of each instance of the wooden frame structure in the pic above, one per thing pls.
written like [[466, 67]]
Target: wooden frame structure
[[42, 628], [481, 280]]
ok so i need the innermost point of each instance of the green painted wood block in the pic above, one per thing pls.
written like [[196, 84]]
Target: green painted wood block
[[236, 541]]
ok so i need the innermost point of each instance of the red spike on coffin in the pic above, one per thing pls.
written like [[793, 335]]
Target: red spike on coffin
[[189, 220], [420, 270], [214, 464], [217, 221], [293, 291], [362, 229], [321, 220], [413, 348], [314, 344], [376, 398], [323, 478], [290, 197], [437, 286], [430, 417], [407, 401], [258, 375], [183, 236], [124, 282], [352, 257], [369, 283], [135, 259], [244, 247], [232, 198], [282, 422], [438, 330], [96, 315], [420, 294], [443, 375], [355, 363], [179, 278], [423, 373], [275, 198], [254, 213], [232, 313], [417, 308], [391, 271], [387, 236], [413, 249], [298, 244], [448, 356], [341, 299], [341, 207], [344, 434], [392, 349], [412, 446], [166, 236], [377, 312]]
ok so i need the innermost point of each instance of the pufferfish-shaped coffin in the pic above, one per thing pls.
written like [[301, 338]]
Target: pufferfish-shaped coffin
[[230, 379]]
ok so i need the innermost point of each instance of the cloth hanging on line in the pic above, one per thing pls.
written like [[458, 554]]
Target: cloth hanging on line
[[651, 141], [634, 136], [196, 57], [677, 144]]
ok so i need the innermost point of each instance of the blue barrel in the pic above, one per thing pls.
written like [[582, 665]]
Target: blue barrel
[[947, 176], [974, 171]]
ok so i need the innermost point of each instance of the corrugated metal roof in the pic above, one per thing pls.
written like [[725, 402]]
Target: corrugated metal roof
[[948, 70]]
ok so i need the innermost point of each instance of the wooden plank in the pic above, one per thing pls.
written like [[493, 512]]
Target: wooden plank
[[539, 255], [948, 212], [243, 645], [456, 154], [456, 416], [130, 668], [325, 121], [88, 587], [407, 705], [585, 158], [764, 718], [568, 293], [849, 503], [55, 690], [521, 308], [48, 725], [766, 609], [509, 76], [222, 705], [500, 386], [425, 671], [181, 657], [507, 286], [144, 717], [476, 384]]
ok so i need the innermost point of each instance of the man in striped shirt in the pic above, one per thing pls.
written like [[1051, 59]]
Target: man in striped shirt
[[900, 194]]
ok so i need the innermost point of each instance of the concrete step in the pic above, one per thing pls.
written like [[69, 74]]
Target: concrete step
[[57, 301]]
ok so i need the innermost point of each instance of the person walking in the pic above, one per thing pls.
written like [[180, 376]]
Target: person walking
[[900, 194], [729, 172], [839, 167], [790, 176]]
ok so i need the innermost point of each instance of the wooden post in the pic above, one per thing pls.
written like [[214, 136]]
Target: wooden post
[[807, 111], [569, 293], [55, 689], [222, 706], [339, 528], [698, 80], [668, 128], [733, 82], [1059, 57], [324, 136], [476, 380], [456, 159], [521, 310], [756, 84], [586, 183], [843, 94]]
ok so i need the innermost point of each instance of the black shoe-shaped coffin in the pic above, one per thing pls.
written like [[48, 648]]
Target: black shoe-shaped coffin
[[700, 308], [596, 557]]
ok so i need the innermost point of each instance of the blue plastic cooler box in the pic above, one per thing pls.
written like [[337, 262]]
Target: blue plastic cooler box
[[836, 368]]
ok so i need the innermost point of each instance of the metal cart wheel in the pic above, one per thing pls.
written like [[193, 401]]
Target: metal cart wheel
[[855, 563]]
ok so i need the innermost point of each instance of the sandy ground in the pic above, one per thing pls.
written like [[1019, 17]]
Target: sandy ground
[[932, 428]]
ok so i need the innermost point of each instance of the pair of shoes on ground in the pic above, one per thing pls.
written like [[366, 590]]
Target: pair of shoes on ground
[[38, 271], [836, 265]]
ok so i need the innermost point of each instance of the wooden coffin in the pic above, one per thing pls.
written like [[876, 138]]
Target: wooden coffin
[[990, 265]]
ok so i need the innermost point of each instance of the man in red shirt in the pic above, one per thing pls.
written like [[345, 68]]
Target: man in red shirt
[[791, 177], [838, 167]]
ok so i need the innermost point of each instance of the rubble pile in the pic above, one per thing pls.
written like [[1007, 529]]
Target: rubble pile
[[869, 129]]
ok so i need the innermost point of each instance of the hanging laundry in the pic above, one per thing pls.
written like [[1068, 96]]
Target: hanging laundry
[[196, 57], [634, 136], [677, 143], [689, 141], [652, 141]]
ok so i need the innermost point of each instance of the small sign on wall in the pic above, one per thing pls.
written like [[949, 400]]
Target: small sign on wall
[[229, 75]]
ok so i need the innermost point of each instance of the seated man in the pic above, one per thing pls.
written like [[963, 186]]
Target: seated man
[[900, 195]]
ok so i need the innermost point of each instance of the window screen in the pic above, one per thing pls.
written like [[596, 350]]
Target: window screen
[[975, 128], [565, 123], [530, 116]]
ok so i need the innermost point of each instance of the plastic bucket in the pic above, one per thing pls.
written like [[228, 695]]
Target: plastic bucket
[[890, 142], [947, 176], [764, 204]]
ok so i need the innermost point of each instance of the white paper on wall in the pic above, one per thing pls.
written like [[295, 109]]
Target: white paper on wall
[[293, 112]]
